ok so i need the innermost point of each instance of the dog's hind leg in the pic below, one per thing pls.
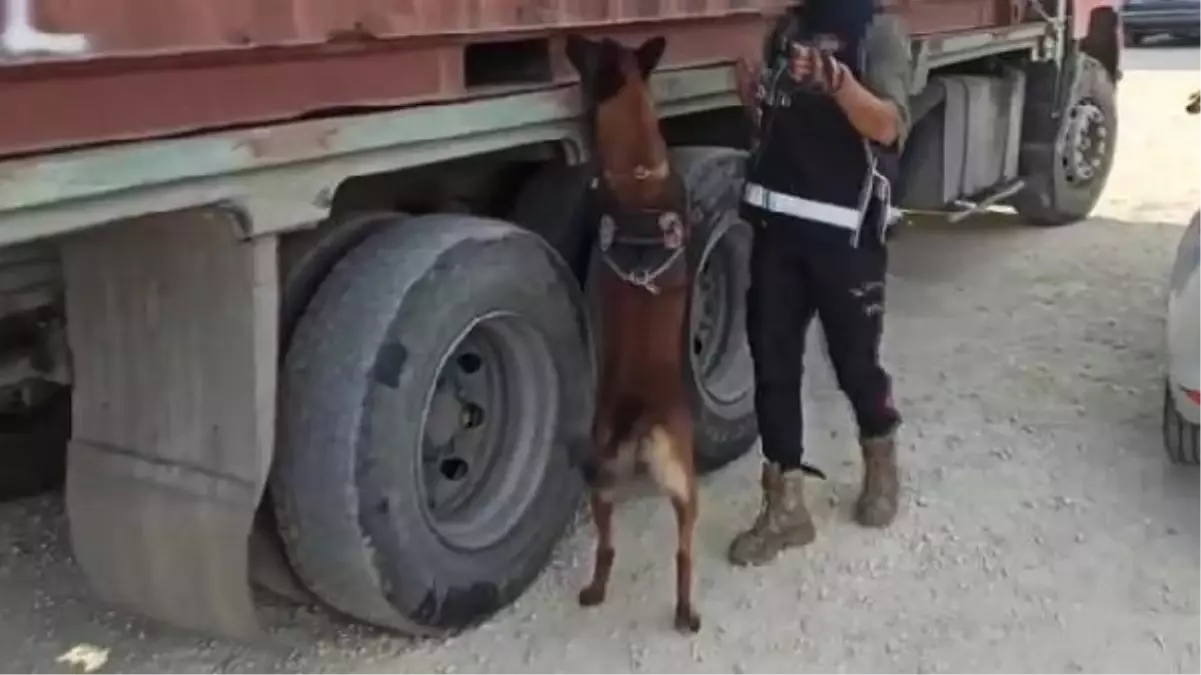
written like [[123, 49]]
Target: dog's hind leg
[[669, 456], [687, 618], [602, 514]]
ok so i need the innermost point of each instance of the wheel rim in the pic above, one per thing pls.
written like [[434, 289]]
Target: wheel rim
[[487, 431], [711, 307], [1085, 143], [721, 362]]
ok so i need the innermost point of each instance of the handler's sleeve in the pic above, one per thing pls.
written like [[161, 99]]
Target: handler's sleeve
[[889, 68]]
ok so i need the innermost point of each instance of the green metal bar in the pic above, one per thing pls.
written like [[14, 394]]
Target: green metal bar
[[283, 175]]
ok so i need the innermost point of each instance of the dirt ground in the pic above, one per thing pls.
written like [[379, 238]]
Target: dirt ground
[[1042, 529]]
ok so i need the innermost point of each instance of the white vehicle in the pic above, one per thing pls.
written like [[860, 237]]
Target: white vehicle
[[1181, 411], [1182, 395]]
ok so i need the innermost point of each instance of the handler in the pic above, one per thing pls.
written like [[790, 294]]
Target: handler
[[830, 106]]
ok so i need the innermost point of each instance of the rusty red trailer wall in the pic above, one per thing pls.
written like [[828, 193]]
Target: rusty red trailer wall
[[148, 26], [160, 67], [155, 26]]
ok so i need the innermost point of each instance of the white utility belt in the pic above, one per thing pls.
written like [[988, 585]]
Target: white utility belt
[[808, 209]]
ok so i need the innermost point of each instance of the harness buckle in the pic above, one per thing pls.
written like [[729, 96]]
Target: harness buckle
[[645, 279], [608, 231]]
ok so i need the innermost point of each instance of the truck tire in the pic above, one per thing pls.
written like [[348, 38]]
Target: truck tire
[[33, 448], [554, 204], [1179, 434], [1066, 158], [719, 256], [306, 258], [430, 395]]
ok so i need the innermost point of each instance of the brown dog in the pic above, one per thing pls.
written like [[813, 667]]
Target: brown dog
[[643, 419]]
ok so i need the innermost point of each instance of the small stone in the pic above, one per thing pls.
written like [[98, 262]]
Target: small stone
[[1063, 502], [1080, 537], [923, 502]]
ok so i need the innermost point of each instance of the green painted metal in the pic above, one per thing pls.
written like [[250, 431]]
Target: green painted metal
[[936, 52], [281, 176]]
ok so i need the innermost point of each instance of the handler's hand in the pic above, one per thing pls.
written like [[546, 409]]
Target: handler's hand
[[815, 69], [747, 81]]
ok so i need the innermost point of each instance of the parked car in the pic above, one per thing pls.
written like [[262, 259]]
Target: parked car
[[1177, 18], [1182, 395]]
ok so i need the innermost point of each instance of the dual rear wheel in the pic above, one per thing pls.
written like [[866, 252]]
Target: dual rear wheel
[[437, 387]]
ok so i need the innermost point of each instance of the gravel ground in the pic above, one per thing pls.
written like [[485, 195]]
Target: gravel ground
[[1042, 528]]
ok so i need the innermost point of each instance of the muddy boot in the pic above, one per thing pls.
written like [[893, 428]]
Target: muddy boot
[[783, 520], [877, 505]]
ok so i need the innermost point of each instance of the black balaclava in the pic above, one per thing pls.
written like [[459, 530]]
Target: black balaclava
[[845, 19]]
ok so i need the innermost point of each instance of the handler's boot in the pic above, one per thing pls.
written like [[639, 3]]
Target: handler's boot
[[877, 505], [783, 520]]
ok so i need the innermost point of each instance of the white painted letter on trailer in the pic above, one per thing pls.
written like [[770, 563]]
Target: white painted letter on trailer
[[20, 37]]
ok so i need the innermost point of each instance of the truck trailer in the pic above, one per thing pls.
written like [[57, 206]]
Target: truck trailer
[[296, 292]]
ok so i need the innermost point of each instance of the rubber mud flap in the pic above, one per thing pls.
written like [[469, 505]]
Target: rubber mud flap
[[172, 322]]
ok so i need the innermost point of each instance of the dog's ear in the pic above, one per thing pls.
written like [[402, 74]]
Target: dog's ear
[[649, 54], [581, 52]]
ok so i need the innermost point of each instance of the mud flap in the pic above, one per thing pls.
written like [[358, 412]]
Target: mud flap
[[172, 321]]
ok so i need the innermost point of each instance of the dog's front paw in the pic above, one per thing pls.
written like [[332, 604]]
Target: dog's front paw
[[687, 620], [592, 596]]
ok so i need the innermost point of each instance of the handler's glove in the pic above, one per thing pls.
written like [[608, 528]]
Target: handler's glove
[[816, 70]]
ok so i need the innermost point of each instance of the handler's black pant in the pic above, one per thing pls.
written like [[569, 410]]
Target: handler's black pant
[[799, 269]]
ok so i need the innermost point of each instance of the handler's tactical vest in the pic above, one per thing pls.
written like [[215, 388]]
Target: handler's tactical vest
[[809, 161]]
